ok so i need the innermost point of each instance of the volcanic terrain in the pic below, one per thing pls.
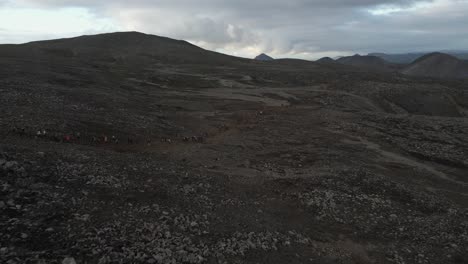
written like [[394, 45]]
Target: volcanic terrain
[[133, 148]]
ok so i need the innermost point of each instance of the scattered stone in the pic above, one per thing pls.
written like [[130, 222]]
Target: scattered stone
[[10, 165], [3, 250], [11, 203], [68, 260]]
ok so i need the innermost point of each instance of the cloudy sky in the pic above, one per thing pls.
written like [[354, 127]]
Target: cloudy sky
[[306, 29]]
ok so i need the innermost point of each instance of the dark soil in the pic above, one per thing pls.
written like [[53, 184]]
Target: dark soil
[[224, 160]]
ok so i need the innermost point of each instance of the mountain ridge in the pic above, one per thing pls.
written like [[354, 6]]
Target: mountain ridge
[[406, 58], [373, 63], [438, 65]]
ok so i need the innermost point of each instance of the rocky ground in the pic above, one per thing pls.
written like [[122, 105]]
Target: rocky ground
[[230, 163]]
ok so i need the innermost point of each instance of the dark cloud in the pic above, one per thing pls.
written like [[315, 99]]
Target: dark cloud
[[238, 4], [297, 28]]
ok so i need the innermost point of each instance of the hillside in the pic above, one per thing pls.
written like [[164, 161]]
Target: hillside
[[121, 47], [437, 65], [366, 62], [133, 148], [325, 60], [405, 58]]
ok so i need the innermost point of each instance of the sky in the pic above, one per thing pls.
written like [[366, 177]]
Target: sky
[[307, 29]]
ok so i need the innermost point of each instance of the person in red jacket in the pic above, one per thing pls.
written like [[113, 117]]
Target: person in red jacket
[[67, 138]]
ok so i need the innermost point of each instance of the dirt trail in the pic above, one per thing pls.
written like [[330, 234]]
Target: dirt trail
[[250, 95], [401, 159]]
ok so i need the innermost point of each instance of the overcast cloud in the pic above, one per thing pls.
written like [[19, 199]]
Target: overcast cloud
[[294, 28]]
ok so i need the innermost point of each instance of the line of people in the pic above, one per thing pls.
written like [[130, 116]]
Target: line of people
[[198, 139], [76, 137]]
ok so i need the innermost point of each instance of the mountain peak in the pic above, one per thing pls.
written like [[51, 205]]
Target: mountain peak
[[438, 65], [436, 56], [139, 48], [326, 60], [372, 62], [126, 40], [264, 57]]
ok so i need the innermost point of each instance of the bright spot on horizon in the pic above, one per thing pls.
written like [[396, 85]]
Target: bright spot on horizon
[[63, 22], [385, 10]]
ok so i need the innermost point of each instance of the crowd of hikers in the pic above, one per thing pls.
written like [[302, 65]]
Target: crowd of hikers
[[76, 137]]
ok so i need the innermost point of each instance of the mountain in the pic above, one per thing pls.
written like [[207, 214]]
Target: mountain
[[126, 47], [437, 65], [326, 60], [263, 57], [406, 58], [398, 58], [367, 62]]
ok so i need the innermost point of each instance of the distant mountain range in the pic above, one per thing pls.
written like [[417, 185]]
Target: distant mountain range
[[405, 58], [363, 61], [435, 65]]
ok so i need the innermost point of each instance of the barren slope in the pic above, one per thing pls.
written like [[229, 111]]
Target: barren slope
[[437, 65], [224, 160], [367, 62]]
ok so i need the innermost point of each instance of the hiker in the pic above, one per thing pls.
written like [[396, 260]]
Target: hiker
[[67, 138], [44, 133], [78, 135], [113, 138], [197, 139], [148, 142], [38, 134], [95, 140], [104, 139]]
